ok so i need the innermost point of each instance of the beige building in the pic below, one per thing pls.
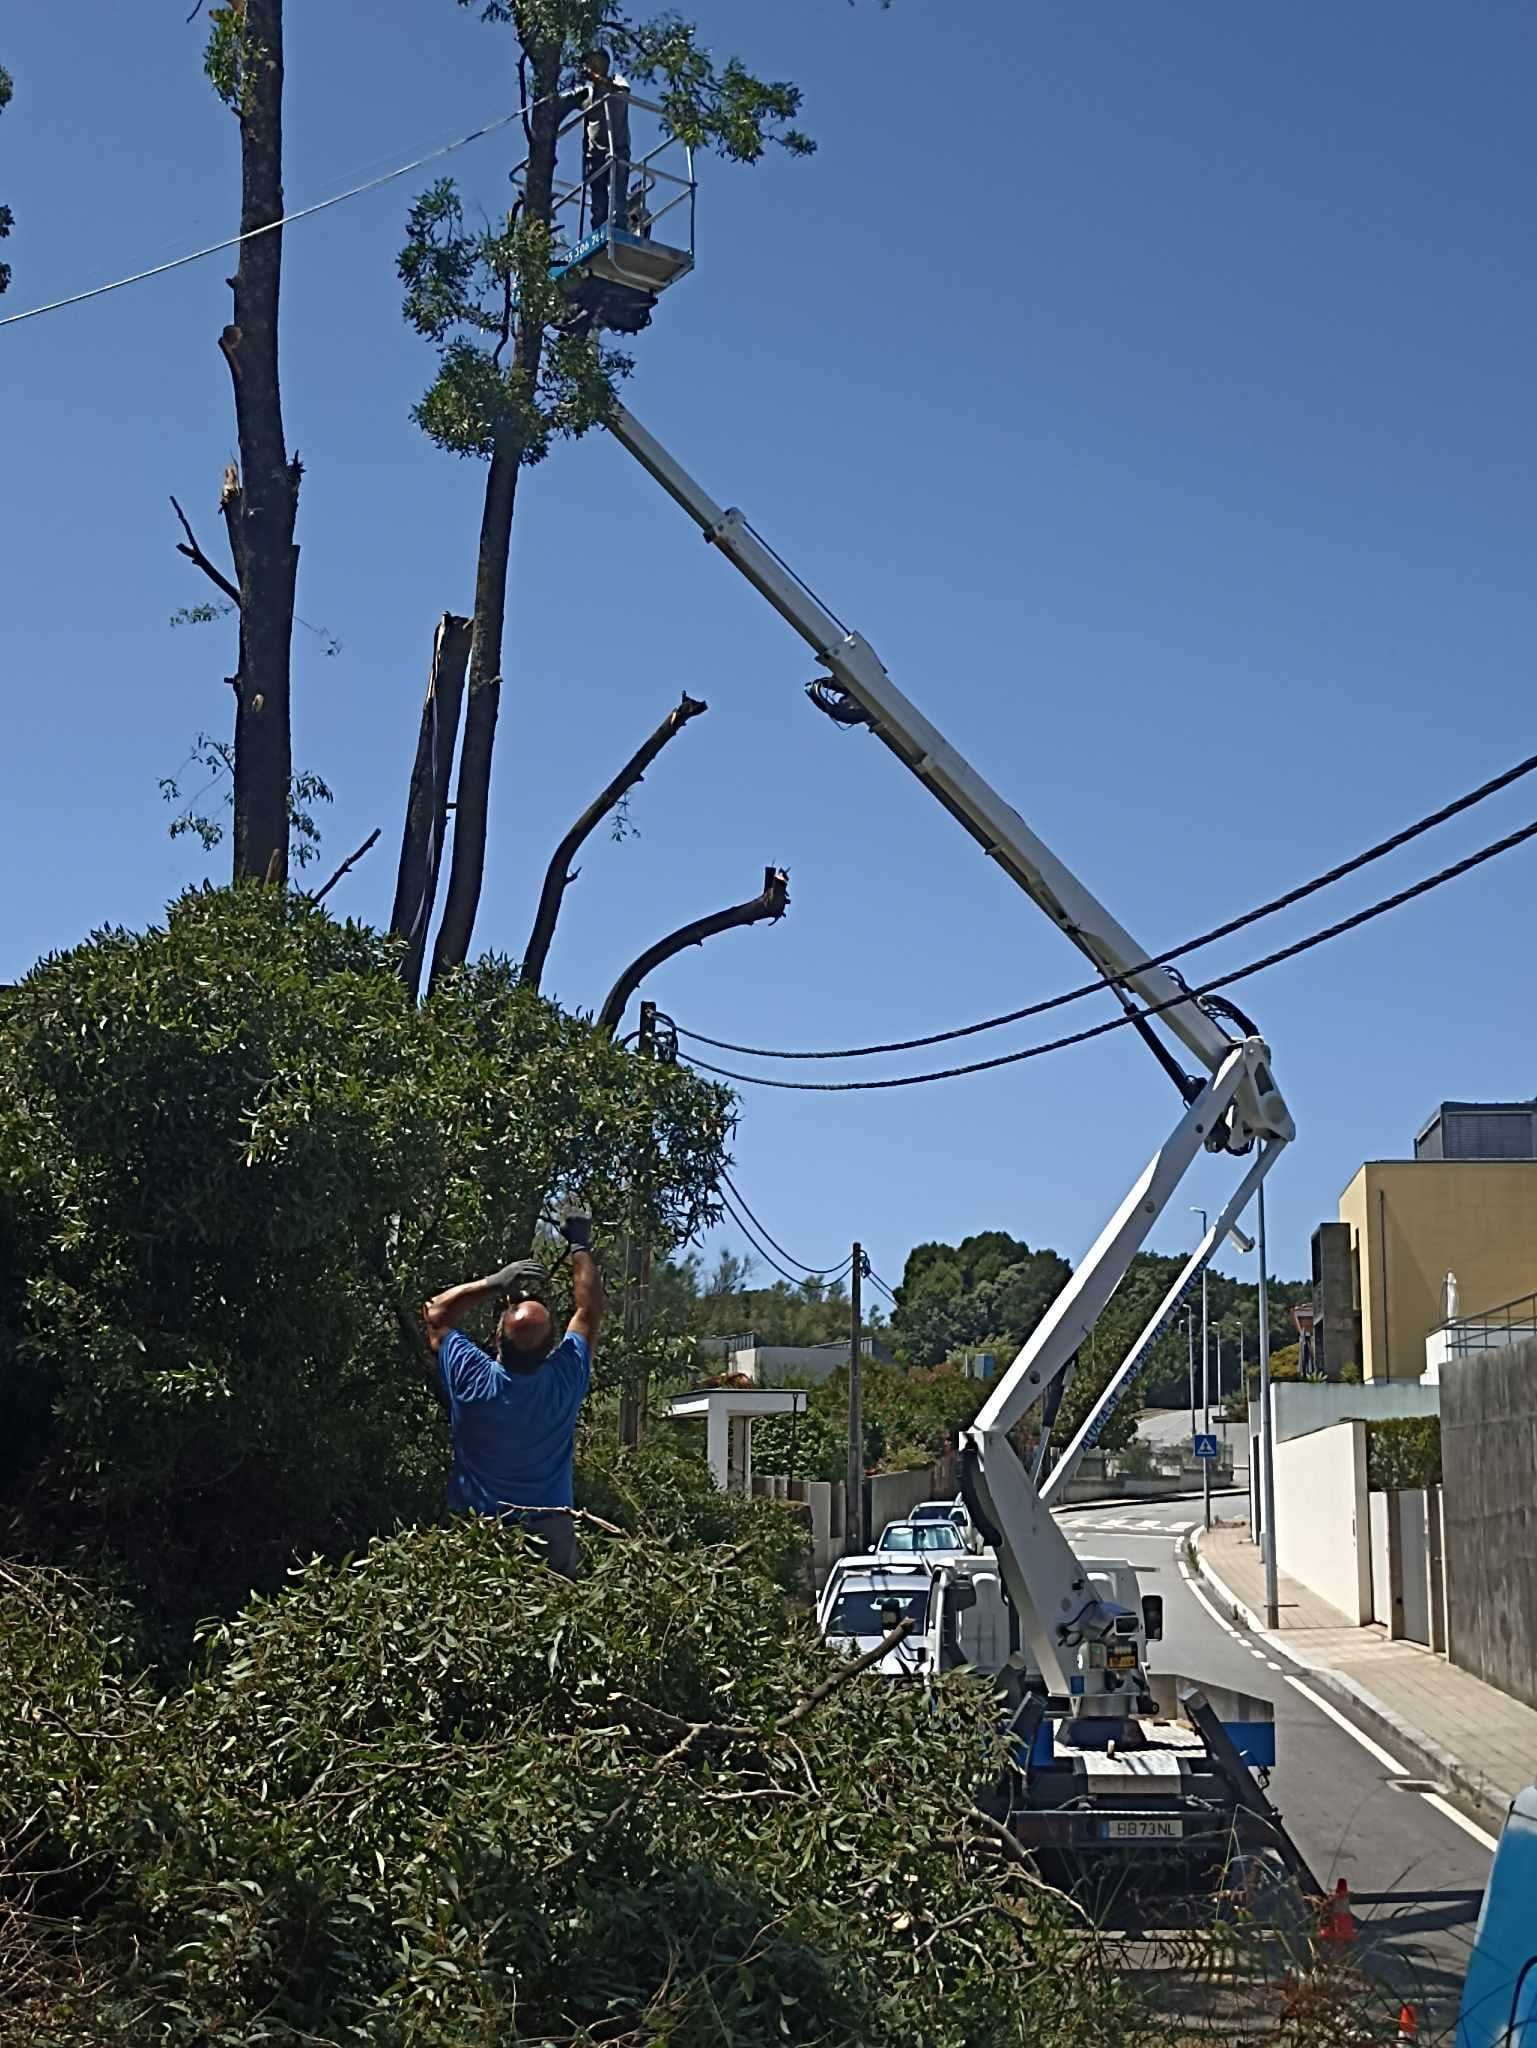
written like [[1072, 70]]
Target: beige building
[[1412, 1221]]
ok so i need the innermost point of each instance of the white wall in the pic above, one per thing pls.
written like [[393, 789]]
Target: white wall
[[1298, 1407], [1382, 1561], [1323, 1533]]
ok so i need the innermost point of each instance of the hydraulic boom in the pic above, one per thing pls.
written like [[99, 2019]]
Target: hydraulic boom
[[1235, 1108]]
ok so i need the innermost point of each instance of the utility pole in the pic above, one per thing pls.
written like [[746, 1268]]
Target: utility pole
[[1205, 1382], [1267, 1435], [634, 1398], [854, 1503]]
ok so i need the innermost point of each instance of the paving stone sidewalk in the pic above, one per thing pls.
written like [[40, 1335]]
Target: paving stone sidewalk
[[1451, 1724]]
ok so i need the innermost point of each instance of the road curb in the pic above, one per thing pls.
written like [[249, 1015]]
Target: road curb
[[1425, 1756]]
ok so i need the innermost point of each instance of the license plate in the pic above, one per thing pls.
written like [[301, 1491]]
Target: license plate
[[1122, 1660], [1144, 1829]]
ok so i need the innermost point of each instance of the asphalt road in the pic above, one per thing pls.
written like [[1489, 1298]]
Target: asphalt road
[[1416, 1870]]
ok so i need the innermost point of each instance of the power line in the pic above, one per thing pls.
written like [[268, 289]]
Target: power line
[[814, 1272], [269, 227], [1031, 1052], [871, 1274], [1114, 981], [796, 1280]]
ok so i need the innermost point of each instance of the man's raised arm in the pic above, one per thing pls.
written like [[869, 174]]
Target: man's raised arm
[[447, 1310], [587, 1297]]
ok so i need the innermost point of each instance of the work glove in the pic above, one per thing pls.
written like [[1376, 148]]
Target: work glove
[[524, 1278], [576, 1229]]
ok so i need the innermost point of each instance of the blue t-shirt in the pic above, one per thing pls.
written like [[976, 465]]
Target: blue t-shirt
[[513, 1431]]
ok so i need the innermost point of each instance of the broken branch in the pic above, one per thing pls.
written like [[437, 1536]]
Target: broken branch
[[350, 862], [558, 876], [767, 908], [192, 549]]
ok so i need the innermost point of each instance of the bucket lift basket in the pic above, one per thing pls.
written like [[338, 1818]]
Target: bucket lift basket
[[615, 273]]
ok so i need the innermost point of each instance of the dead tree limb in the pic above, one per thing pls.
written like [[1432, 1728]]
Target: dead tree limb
[[261, 508], [192, 549], [426, 826], [350, 862], [558, 875], [765, 909]]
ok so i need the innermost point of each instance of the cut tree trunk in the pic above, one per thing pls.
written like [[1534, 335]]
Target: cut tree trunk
[[262, 501], [421, 842], [765, 909], [558, 875], [472, 804]]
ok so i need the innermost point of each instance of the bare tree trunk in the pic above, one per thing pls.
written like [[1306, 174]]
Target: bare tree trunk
[[558, 875], [765, 909], [262, 503], [421, 842], [472, 806]]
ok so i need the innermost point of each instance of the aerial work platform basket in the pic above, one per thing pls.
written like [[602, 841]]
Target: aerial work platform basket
[[611, 250]]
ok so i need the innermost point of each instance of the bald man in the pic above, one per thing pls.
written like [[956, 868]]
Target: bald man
[[513, 1417]]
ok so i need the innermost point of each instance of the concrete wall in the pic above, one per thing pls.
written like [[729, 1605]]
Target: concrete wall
[[1489, 1502], [894, 1495], [1322, 1525], [1298, 1407], [1412, 1220]]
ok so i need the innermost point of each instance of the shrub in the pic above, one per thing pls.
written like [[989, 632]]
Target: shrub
[[1405, 1452], [234, 1157], [435, 1795]]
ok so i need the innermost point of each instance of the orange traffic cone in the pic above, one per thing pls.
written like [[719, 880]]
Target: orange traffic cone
[[1408, 2025], [1338, 1923]]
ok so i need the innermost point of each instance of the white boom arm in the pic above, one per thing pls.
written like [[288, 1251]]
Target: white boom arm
[[1238, 1106]]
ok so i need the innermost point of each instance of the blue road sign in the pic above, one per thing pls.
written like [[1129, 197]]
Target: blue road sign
[[1205, 1446]]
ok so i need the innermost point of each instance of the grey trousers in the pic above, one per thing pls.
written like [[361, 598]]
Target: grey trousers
[[555, 1534]]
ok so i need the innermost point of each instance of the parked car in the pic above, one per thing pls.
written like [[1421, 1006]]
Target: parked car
[[948, 1511], [1499, 1995], [924, 1536]]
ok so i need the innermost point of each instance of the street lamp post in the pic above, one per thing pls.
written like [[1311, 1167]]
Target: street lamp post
[[1190, 1348], [1267, 1436], [1205, 1382]]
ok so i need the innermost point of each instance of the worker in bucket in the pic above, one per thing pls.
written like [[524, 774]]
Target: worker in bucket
[[605, 107], [513, 1416]]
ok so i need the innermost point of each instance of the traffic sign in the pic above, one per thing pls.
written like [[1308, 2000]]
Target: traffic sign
[[1205, 1445]]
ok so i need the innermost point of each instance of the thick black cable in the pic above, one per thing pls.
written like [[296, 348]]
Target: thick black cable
[[1112, 981], [813, 1272], [871, 1274], [1031, 1052], [795, 1279]]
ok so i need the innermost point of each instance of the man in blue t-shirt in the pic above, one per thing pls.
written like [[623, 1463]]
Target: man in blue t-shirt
[[513, 1417]]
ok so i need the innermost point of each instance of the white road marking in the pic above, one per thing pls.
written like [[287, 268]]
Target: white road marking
[[1189, 1578], [1273, 1664], [1388, 1763], [1461, 1820]]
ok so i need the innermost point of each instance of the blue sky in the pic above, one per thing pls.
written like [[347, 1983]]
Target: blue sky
[[1152, 387]]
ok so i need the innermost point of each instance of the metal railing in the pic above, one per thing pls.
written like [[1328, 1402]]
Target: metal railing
[[642, 176], [1495, 1327]]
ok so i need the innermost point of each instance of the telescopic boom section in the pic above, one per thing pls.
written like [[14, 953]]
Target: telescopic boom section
[[996, 826]]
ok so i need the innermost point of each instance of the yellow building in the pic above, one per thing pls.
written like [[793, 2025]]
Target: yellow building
[[1412, 1221]]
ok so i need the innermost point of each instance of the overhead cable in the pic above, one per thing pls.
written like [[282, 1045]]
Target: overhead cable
[[1112, 981], [795, 1279], [1220, 981], [813, 1272], [270, 227]]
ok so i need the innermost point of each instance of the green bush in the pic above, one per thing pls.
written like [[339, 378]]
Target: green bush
[[434, 1795], [1405, 1452], [234, 1158]]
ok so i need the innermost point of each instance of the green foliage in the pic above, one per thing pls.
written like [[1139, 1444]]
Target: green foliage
[[1405, 1452], [234, 1157], [435, 1796], [957, 1297], [809, 1446], [511, 372], [721, 1304], [230, 53], [216, 758], [7, 218]]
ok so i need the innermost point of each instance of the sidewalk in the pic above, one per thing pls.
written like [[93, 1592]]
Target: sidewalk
[[1437, 1719]]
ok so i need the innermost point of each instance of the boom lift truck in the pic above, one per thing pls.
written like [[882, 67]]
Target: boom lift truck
[[1099, 1765]]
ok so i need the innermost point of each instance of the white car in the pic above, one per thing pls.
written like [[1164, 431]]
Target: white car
[[948, 1511], [925, 1537]]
